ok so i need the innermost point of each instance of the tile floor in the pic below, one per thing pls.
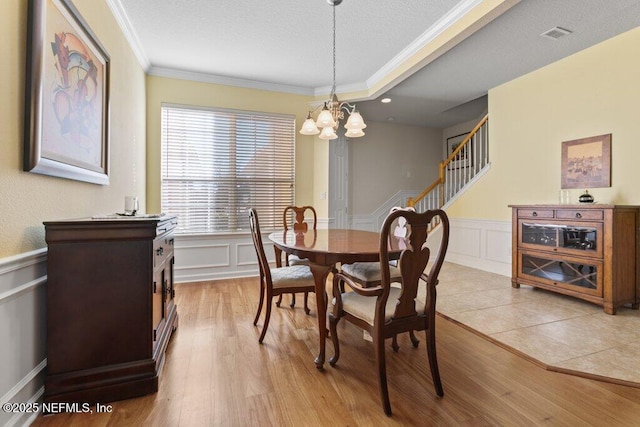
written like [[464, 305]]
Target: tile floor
[[560, 332]]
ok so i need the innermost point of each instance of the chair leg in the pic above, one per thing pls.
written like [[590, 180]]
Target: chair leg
[[433, 361], [293, 301], [333, 331], [266, 320], [279, 300], [394, 343], [414, 340], [255, 321], [306, 303], [382, 373]]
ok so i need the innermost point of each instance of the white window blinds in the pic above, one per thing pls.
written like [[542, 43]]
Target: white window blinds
[[218, 163]]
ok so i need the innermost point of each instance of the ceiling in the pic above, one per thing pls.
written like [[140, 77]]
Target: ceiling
[[287, 46]]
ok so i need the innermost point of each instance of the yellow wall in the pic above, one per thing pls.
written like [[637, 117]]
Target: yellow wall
[[593, 92], [162, 89], [28, 199]]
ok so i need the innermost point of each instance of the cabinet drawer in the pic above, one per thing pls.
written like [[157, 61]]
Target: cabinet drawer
[[580, 214], [535, 213], [162, 249]]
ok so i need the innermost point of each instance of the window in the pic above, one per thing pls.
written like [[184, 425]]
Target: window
[[218, 163]]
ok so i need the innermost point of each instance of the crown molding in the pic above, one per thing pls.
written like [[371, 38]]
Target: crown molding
[[348, 88], [427, 37], [227, 81], [129, 32], [460, 10]]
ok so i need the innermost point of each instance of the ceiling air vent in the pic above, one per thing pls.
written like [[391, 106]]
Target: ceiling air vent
[[555, 33]]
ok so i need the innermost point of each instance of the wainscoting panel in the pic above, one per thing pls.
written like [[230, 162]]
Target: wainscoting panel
[[220, 256], [246, 254], [465, 241], [499, 245], [481, 244], [23, 330]]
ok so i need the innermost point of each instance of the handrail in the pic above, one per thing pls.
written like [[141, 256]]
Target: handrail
[[440, 182], [464, 142], [413, 200]]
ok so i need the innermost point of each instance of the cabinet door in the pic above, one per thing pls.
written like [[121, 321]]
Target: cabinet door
[[158, 308], [577, 274], [575, 238], [169, 292]]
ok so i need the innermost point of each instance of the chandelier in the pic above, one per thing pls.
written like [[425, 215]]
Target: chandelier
[[333, 110]]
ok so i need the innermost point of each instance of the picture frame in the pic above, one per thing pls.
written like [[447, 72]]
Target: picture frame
[[464, 158], [66, 127], [586, 162]]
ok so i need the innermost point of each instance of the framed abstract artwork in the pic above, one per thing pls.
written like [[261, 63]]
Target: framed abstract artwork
[[586, 162], [66, 128]]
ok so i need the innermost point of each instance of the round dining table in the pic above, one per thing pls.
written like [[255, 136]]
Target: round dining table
[[324, 248]]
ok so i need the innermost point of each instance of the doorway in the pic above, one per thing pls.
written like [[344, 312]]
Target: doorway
[[338, 183]]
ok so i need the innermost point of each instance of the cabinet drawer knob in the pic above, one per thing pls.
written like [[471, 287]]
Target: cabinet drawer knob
[[534, 214], [578, 215], [160, 251]]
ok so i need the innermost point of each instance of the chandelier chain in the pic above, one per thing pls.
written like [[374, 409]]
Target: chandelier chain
[[333, 111], [333, 87]]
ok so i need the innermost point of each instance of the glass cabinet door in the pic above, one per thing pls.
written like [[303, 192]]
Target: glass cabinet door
[[580, 274], [576, 238]]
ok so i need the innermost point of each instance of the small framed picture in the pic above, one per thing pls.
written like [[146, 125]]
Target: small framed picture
[[463, 157], [586, 162]]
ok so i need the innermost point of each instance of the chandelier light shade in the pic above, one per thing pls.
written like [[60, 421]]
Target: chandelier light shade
[[328, 133], [325, 118], [309, 126], [333, 110]]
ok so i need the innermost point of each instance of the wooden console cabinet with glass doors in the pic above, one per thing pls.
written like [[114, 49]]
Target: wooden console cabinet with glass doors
[[585, 251]]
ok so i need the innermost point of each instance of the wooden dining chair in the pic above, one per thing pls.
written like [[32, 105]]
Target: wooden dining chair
[[276, 281], [368, 274], [385, 310], [293, 218]]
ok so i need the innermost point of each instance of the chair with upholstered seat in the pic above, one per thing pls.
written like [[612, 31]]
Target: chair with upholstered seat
[[276, 281], [367, 274], [293, 218], [385, 310]]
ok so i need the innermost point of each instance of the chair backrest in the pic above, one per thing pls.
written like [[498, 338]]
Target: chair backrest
[[298, 223], [401, 228], [256, 236], [413, 260]]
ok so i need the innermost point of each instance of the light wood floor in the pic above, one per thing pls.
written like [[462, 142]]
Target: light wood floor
[[216, 373]]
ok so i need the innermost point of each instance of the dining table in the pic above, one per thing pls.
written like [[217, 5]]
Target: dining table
[[325, 249]]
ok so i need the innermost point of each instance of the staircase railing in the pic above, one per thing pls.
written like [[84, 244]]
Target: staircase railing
[[462, 165]]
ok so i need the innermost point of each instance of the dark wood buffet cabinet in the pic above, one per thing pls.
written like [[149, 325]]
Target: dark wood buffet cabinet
[[587, 251], [110, 307]]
